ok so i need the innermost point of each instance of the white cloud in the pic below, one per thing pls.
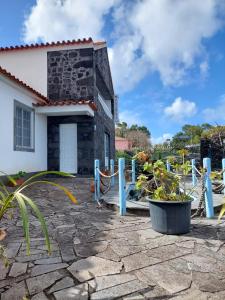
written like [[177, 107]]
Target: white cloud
[[130, 117], [217, 113], [51, 20], [161, 139], [174, 34], [146, 35], [180, 109]]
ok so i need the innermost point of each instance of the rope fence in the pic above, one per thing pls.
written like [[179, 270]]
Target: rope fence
[[122, 172], [125, 170]]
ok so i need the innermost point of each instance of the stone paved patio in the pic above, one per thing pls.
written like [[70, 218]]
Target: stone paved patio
[[96, 254]]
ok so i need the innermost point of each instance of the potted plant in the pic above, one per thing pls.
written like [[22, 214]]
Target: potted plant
[[18, 179], [170, 206]]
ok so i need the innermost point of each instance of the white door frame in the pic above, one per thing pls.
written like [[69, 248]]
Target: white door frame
[[68, 147]]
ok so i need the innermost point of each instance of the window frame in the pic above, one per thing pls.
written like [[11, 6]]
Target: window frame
[[32, 127]]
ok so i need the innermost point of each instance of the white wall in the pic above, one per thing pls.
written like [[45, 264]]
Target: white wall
[[13, 161], [30, 65]]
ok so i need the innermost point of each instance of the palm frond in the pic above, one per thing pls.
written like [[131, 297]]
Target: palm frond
[[25, 219], [222, 212], [40, 218], [46, 173], [65, 190]]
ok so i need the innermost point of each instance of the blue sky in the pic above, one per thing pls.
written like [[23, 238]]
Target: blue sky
[[167, 56]]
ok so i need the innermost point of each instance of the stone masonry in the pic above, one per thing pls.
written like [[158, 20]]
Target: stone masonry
[[97, 254], [77, 74], [70, 74]]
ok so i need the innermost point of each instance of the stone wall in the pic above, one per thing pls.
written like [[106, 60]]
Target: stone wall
[[102, 64], [103, 125], [70, 74], [85, 142], [79, 74]]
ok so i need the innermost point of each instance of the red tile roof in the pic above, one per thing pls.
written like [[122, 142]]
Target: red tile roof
[[7, 74], [68, 102], [53, 44]]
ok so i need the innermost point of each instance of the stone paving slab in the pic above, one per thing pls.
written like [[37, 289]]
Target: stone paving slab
[[167, 278], [96, 254], [93, 266], [64, 283], [104, 282], [42, 269], [39, 296], [78, 292], [40, 283], [119, 290], [16, 292], [18, 269]]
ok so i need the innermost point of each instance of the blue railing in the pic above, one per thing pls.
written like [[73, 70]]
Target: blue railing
[[122, 181]]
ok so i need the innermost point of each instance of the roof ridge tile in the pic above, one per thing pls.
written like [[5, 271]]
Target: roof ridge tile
[[52, 44]]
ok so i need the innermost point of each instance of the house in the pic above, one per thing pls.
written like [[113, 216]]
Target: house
[[58, 107], [122, 144]]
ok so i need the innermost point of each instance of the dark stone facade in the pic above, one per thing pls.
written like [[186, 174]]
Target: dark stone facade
[[80, 74], [70, 74], [103, 74], [103, 123]]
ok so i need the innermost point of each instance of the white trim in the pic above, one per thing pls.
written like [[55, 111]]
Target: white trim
[[105, 106], [102, 45], [66, 110]]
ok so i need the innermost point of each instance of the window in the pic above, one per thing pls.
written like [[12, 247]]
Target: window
[[106, 150], [23, 127]]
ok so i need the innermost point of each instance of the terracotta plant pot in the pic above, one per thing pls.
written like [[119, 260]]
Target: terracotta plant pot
[[92, 187], [2, 234], [19, 182]]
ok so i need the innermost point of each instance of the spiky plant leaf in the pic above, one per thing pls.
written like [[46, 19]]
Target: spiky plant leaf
[[222, 212], [65, 190], [10, 178], [40, 218], [25, 219], [41, 174]]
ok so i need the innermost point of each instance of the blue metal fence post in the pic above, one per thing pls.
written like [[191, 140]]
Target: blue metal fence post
[[112, 172], [122, 187], [193, 171], [133, 171], [168, 166], [208, 185], [223, 168], [97, 180]]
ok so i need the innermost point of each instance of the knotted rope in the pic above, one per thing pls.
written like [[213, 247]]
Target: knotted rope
[[107, 177]]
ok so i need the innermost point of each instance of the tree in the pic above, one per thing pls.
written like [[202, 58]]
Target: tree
[[190, 135], [139, 139], [141, 128], [122, 129]]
